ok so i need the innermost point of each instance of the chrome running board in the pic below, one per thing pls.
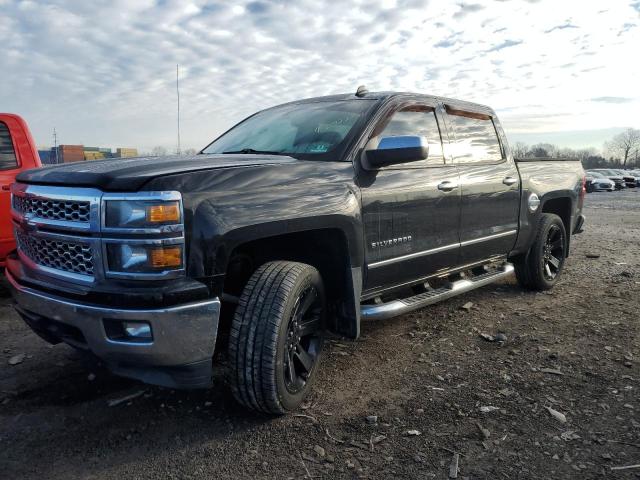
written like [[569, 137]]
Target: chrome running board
[[401, 306]]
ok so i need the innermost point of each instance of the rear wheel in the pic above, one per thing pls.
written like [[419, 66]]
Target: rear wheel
[[276, 337], [541, 267]]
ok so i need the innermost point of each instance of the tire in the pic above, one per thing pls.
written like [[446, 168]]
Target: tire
[[541, 267], [276, 337]]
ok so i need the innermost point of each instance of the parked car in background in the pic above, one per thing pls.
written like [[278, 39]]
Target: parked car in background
[[636, 173], [631, 174], [17, 153], [597, 182], [612, 175], [629, 178]]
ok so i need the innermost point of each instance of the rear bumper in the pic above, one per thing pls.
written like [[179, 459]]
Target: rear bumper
[[179, 355]]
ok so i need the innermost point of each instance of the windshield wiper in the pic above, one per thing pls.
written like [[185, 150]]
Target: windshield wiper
[[251, 150]]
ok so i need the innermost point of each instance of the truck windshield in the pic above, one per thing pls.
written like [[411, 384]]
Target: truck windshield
[[309, 131]]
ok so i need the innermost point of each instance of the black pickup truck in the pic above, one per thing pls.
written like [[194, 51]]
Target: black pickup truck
[[304, 218]]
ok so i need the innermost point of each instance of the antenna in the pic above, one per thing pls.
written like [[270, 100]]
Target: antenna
[[178, 95], [55, 143]]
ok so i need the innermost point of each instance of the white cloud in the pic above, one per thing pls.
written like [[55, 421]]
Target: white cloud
[[103, 72]]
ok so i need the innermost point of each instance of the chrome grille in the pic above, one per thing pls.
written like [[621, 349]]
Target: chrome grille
[[73, 257], [52, 209]]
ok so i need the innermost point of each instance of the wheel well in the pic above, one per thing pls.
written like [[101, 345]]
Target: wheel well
[[562, 208], [326, 249]]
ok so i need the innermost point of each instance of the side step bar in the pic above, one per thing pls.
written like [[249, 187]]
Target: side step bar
[[405, 305]]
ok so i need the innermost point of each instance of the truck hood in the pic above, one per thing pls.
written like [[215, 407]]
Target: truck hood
[[130, 174]]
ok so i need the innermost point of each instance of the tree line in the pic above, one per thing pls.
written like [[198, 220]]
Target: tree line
[[623, 150]]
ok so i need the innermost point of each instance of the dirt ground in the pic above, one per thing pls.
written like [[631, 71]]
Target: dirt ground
[[395, 404]]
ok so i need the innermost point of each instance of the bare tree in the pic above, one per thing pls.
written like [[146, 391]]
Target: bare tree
[[624, 143], [189, 151], [158, 152], [594, 161], [636, 156], [519, 150], [543, 150]]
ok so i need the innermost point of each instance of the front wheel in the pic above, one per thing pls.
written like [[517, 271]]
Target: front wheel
[[541, 267], [276, 337]]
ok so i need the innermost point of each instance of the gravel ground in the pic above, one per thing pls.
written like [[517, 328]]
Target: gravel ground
[[429, 383]]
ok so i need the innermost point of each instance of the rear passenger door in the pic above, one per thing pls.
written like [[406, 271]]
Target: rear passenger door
[[490, 186]]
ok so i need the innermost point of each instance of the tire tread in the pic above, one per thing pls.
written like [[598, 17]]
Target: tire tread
[[253, 339]]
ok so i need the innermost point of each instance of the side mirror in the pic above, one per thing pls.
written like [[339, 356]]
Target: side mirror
[[400, 149]]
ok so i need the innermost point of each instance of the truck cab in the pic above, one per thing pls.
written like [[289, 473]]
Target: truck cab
[[17, 153]]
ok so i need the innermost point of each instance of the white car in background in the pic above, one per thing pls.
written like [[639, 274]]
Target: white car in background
[[611, 175], [598, 182]]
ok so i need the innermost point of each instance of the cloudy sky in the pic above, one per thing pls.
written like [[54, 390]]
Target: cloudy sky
[[103, 71]]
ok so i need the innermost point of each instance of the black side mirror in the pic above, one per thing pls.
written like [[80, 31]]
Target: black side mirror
[[395, 150]]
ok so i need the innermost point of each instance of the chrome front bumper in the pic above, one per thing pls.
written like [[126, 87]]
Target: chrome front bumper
[[179, 354]]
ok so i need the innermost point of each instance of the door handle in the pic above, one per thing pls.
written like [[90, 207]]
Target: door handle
[[6, 188], [447, 186], [510, 181]]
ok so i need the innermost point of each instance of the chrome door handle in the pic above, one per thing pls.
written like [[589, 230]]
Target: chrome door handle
[[447, 186], [510, 181]]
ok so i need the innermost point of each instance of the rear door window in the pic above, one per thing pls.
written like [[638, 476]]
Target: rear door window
[[8, 158], [476, 137], [416, 121]]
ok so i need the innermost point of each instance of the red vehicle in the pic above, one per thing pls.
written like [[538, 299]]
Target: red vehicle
[[17, 153]]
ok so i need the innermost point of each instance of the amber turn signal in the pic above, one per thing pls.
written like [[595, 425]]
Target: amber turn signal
[[164, 257], [165, 213]]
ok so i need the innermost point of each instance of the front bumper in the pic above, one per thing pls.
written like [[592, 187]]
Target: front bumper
[[179, 355]]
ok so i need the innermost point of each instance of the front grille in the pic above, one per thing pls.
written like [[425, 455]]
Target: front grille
[[51, 209], [73, 257]]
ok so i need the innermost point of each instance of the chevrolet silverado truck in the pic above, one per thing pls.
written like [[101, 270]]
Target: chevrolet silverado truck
[[17, 153], [305, 218]]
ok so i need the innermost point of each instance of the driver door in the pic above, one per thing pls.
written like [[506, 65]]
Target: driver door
[[411, 211]]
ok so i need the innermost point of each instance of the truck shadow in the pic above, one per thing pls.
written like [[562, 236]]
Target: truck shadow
[[4, 286]]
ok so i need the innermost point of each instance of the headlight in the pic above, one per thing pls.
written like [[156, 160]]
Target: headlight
[[142, 213], [128, 258], [143, 235]]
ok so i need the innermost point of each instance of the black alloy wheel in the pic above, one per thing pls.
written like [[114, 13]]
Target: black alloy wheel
[[553, 252], [540, 268], [276, 337], [304, 341]]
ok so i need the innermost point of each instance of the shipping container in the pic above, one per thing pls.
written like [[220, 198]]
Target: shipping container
[[126, 152], [55, 156], [93, 155], [46, 157], [66, 154]]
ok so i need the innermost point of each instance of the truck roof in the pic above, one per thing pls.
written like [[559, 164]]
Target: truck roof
[[386, 95]]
